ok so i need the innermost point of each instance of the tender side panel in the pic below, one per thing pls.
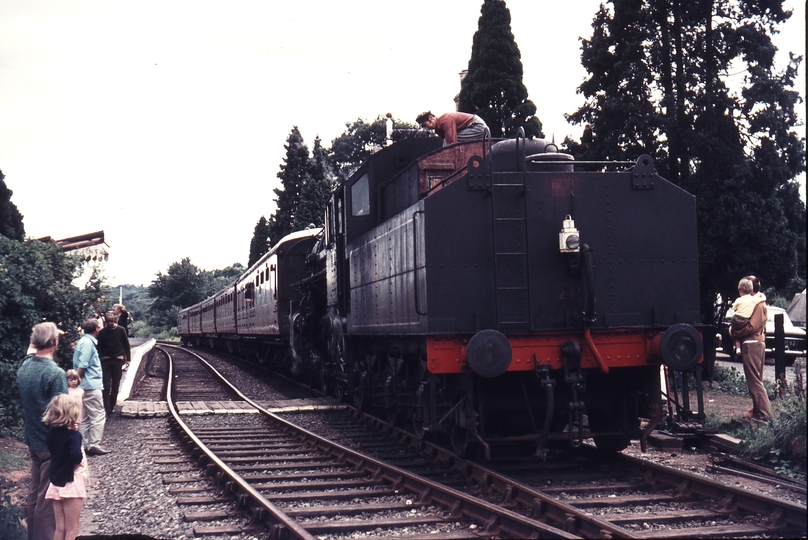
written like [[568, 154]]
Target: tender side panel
[[459, 260], [388, 294]]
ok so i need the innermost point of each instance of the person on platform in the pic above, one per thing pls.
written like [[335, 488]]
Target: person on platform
[[115, 353], [68, 478], [454, 127], [88, 365], [123, 316], [39, 379]]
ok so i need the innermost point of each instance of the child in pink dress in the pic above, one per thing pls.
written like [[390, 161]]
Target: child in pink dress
[[68, 478]]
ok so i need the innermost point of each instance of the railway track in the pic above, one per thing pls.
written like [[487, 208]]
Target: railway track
[[585, 496], [265, 470]]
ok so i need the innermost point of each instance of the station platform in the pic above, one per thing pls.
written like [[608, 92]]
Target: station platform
[[150, 409]]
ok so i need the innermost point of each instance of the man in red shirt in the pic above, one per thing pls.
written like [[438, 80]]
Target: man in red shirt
[[454, 127]]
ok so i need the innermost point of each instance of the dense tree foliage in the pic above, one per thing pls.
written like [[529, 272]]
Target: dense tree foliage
[[306, 180], [260, 241], [493, 87], [315, 191], [36, 285], [219, 279], [183, 285], [11, 225], [360, 140], [694, 84]]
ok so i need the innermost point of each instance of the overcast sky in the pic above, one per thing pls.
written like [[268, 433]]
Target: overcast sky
[[162, 122]]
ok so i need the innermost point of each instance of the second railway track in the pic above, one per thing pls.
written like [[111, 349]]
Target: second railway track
[[381, 479]]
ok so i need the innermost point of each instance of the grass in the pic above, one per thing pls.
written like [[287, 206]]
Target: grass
[[11, 462], [10, 516], [781, 442]]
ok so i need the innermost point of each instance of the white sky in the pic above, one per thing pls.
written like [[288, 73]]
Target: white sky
[[162, 122]]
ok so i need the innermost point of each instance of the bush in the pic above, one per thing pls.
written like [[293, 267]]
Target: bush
[[36, 280], [10, 516], [730, 381], [780, 442]]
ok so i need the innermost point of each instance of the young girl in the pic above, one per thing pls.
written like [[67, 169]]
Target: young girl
[[73, 390], [68, 480]]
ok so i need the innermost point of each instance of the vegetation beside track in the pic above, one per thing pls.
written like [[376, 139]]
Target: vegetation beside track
[[780, 443]]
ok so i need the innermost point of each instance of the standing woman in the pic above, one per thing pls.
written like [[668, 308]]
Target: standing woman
[[114, 350], [123, 317]]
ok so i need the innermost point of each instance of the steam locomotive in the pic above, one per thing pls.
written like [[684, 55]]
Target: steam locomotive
[[492, 291]]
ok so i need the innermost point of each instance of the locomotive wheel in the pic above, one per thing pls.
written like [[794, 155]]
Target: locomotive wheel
[[326, 383], [338, 381], [421, 400], [390, 400], [600, 420], [361, 394], [360, 399], [339, 390], [419, 415], [418, 429], [463, 443], [611, 443]]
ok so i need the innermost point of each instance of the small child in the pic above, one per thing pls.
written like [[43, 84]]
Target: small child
[[73, 390], [68, 478], [743, 307]]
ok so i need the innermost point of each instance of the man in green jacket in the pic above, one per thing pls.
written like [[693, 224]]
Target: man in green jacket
[[39, 379]]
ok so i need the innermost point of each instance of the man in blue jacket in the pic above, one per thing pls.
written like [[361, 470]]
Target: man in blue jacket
[[88, 365]]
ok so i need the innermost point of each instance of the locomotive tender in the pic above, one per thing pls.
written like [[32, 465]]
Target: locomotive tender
[[487, 290]]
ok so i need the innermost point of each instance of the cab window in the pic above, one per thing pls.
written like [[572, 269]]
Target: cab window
[[360, 197]]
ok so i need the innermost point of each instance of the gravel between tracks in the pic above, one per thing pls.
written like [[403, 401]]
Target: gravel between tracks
[[127, 495]]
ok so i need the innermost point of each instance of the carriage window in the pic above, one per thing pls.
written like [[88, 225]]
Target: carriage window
[[360, 197]]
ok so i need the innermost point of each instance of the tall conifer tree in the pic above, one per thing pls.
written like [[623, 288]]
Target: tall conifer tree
[[11, 225], [292, 174], [493, 87], [315, 191], [260, 241]]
